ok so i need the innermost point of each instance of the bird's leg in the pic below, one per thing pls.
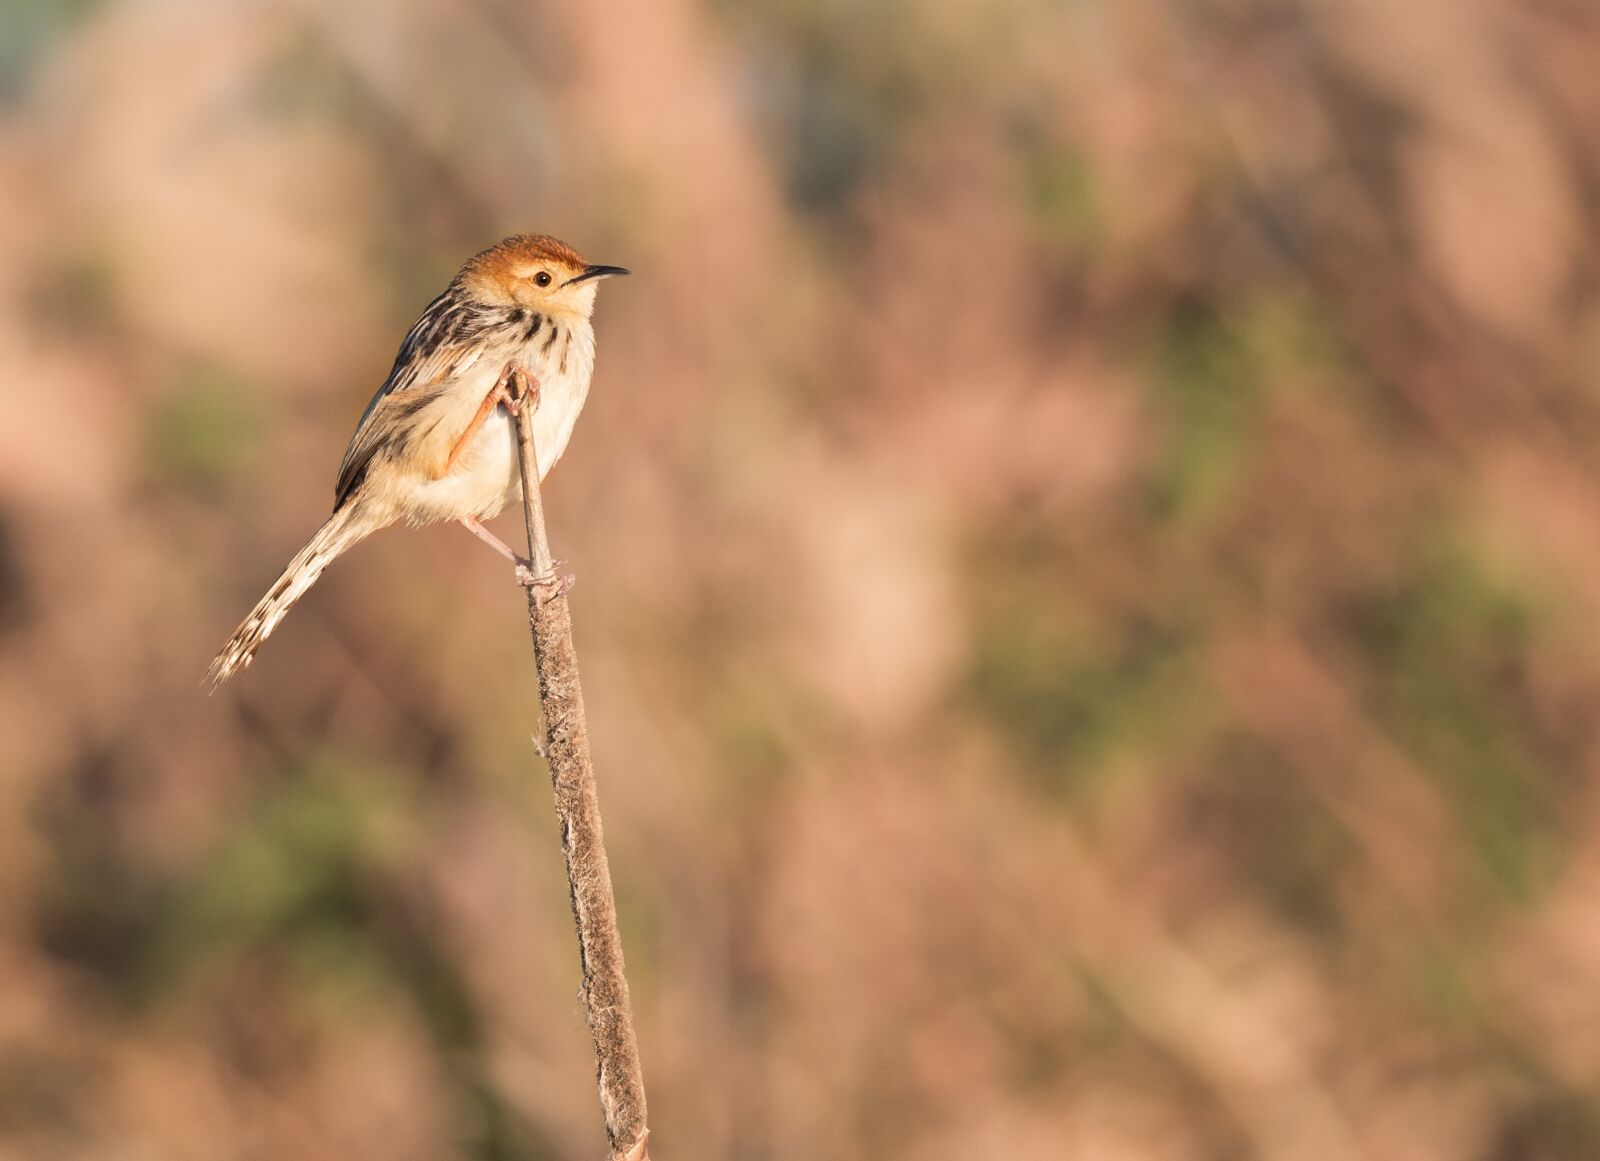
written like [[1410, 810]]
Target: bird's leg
[[475, 526], [516, 388], [524, 388], [525, 575], [499, 395]]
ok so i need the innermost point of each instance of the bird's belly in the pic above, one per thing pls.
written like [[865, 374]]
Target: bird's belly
[[560, 401], [485, 476]]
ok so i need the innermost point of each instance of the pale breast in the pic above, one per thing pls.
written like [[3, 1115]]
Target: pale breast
[[563, 361], [485, 476]]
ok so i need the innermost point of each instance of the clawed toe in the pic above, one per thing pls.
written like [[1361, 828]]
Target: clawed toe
[[558, 586]]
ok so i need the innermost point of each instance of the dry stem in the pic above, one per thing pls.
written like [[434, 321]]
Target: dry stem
[[605, 987]]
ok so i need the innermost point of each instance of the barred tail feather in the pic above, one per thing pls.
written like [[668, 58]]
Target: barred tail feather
[[344, 529]]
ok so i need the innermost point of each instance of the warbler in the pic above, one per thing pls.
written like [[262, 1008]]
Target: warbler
[[438, 440]]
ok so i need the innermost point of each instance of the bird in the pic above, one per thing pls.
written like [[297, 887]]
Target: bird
[[438, 440]]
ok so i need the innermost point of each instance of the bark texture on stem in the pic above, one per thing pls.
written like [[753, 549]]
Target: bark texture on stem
[[605, 987]]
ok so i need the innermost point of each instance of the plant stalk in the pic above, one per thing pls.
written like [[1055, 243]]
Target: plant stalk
[[605, 988]]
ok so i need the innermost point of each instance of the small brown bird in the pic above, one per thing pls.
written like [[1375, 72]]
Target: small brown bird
[[438, 441]]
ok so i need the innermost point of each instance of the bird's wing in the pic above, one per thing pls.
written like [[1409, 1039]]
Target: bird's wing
[[431, 353]]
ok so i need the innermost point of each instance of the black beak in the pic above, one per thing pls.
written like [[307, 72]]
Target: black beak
[[597, 272]]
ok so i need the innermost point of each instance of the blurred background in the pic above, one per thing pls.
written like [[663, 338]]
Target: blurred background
[[1088, 548]]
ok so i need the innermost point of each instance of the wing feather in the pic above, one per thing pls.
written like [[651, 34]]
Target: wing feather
[[433, 351]]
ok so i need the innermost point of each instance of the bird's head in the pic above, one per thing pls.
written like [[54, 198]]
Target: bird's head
[[535, 271]]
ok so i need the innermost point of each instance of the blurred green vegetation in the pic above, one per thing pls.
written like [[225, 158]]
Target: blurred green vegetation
[[1045, 449], [1447, 650], [31, 29], [1209, 379], [1069, 699], [205, 429], [1061, 189]]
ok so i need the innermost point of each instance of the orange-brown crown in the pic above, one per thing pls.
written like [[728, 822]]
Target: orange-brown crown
[[508, 259]]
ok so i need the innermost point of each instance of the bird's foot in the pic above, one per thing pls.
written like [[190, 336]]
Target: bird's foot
[[552, 582], [518, 387]]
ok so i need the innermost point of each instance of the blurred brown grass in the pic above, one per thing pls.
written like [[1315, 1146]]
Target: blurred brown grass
[[1089, 564]]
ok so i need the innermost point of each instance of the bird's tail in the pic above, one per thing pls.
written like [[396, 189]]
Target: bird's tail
[[344, 529]]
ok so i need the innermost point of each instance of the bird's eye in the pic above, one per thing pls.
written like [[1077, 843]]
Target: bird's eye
[[542, 278]]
